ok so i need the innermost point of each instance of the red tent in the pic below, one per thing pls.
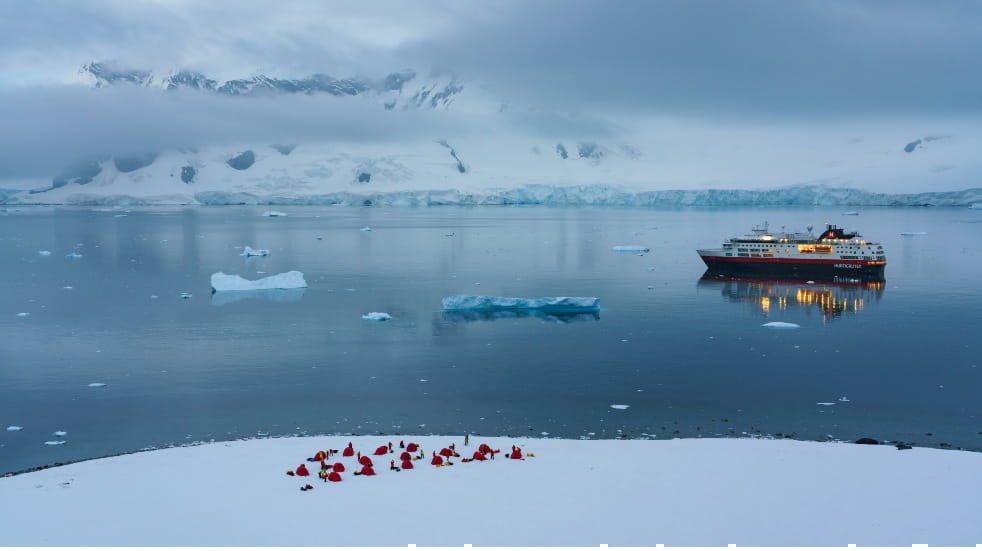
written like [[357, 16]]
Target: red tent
[[516, 453], [334, 477], [411, 447], [349, 451], [320, 456], [339, 467], [484, 448], [367, 470], [478, 456], [437, 460], [381, 450], [445, 452], [405, 456], [364, 460], [302, 470], [407, 464]]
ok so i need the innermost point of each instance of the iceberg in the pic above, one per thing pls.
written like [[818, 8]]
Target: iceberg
[[619, 406], [465, 316], [781, 325], [544, 304], [274, 213], [44, 253], [288, 280], [54, 443], [977, 206], [14, 428], [910, 233], [249, 251], [73, 256], [631, 249], [376, 316]]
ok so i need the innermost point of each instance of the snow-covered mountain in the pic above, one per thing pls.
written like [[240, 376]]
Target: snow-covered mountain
[[402, 89], [493, 155]]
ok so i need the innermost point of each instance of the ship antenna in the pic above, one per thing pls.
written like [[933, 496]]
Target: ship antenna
[[810, 229]]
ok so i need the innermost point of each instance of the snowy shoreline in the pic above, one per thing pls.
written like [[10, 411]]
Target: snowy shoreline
[[571, 492]]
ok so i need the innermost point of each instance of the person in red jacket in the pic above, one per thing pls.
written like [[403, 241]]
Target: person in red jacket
[[302, 470], [392, 465]]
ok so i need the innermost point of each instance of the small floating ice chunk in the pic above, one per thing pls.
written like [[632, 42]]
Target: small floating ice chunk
[[68, 287], [274, 213], [23, 314], [843, 399], [73, 256], [619, 406], [154, 296], [544, 304], [376, 316], [824, 403], [287, 280], [249, 251], [54, 442], [96, 385], [59, 433], [631, 249], [186, 295], [44, 253], [781, 325], [850, 213], [366, 228], [910, 233], [14, 428]]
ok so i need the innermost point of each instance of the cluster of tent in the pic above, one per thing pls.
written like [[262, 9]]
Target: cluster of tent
[[331, 471]]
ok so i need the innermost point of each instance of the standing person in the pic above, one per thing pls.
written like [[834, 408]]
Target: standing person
[[467, 439]]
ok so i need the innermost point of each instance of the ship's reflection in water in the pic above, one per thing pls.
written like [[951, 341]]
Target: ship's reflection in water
[[832, 298]]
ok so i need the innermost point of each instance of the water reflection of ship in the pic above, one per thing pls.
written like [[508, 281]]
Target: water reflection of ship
[[833, 298]]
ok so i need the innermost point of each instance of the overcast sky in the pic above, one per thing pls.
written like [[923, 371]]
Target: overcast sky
[[801, 61]]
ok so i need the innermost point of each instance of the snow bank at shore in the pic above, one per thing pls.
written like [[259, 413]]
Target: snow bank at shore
[[583, 493]]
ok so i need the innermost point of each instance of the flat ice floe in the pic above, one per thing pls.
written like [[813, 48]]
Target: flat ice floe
[[274, 213], [44, 253], [544, 304], [912, 233], [249, 251], [631, 249], [54, 442], [96, 385], [288, 280], [781, 325], [376, 316], [619, 406], [23, 314], [73, 256], [14, 428]]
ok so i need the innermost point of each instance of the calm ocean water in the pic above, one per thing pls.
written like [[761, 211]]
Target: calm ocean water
[[894, 361]]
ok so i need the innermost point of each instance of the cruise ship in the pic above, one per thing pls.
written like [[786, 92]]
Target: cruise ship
[[833, 255]]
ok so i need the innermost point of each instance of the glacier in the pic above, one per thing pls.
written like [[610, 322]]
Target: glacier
[[544, 304], [226, 282]]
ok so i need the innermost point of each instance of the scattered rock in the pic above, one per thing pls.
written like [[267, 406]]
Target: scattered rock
[[867, 441]]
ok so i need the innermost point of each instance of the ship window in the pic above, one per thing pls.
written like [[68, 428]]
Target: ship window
[[742, 254]]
